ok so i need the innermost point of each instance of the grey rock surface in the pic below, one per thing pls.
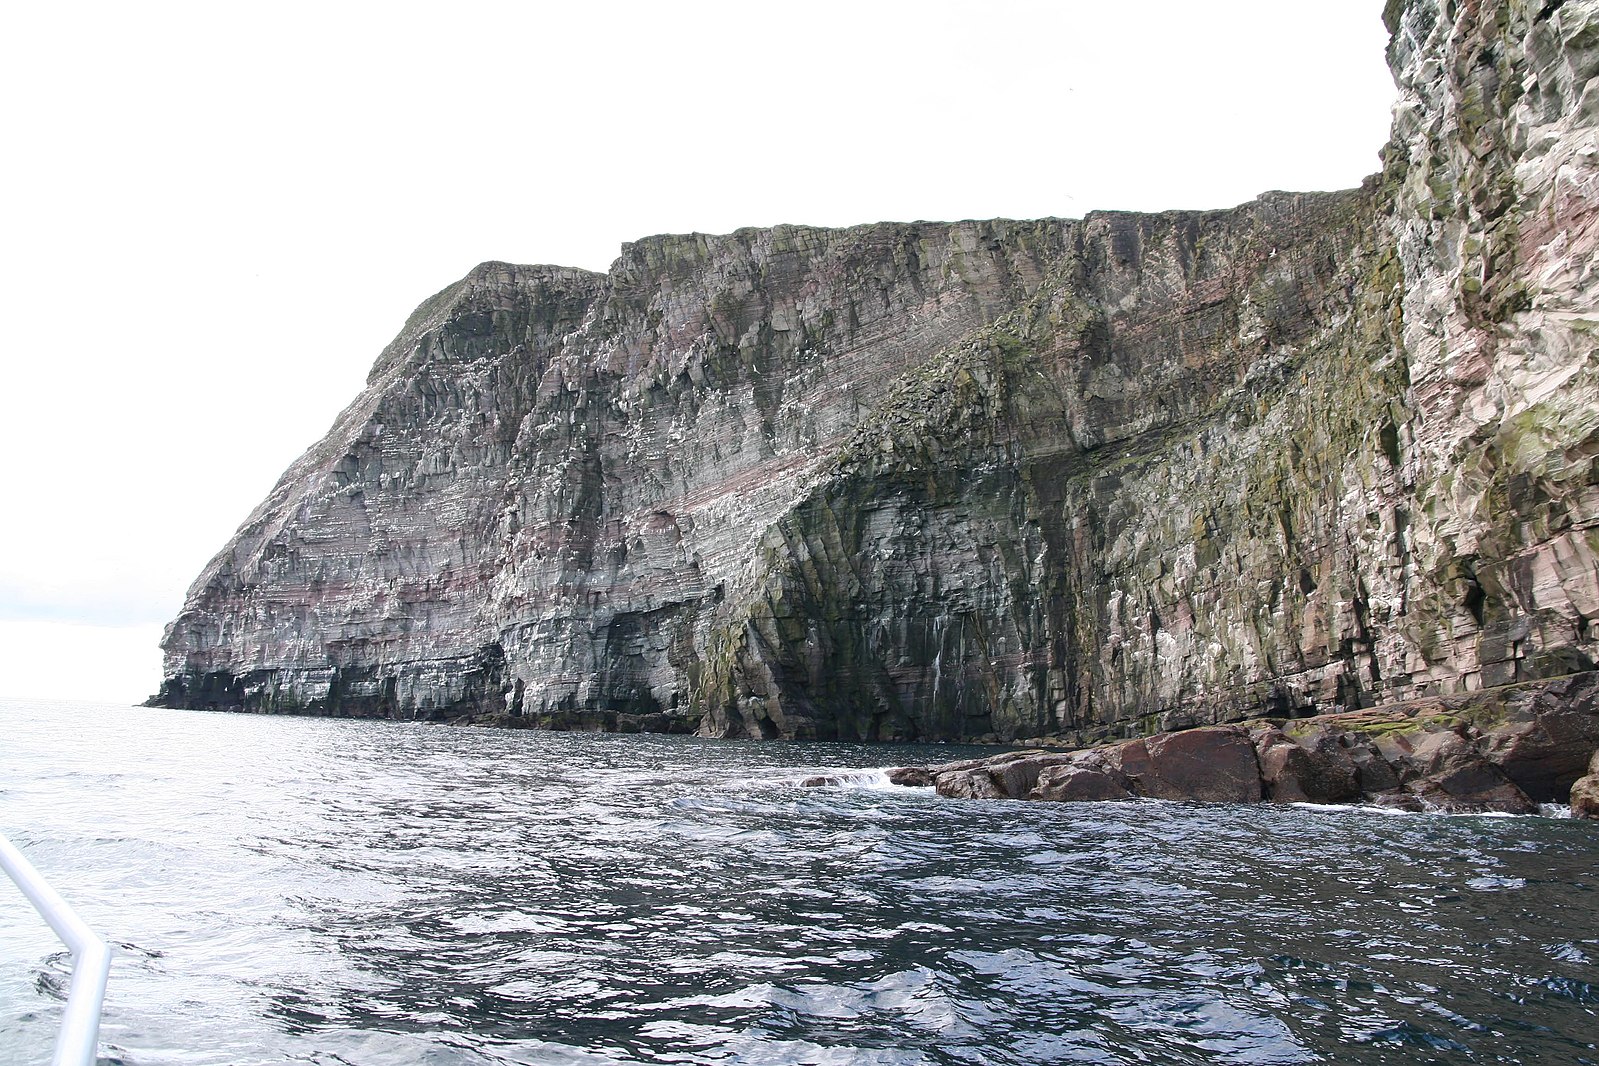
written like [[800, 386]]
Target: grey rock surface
[[989, 480]]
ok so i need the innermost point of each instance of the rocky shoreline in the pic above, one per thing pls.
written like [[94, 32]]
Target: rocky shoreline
[[1502, 751]]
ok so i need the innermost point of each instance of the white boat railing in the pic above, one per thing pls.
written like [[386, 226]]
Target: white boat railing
[[91, 965]]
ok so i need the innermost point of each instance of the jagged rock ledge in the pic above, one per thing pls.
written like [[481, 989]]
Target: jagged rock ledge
[[1505, 751]]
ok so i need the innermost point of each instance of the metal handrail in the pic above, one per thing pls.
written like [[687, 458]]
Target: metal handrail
[[80, 1024]]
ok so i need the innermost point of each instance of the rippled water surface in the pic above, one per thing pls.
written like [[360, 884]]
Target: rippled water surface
[[302, 890]]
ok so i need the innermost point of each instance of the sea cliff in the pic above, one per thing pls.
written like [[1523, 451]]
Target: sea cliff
[[1064, 478]]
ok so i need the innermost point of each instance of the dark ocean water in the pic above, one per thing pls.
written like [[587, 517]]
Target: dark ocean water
[[312, 891]]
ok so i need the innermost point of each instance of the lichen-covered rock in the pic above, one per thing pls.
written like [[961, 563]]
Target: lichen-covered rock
[[1082, 479]]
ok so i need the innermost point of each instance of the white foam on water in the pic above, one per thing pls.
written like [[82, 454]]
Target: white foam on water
[[871, 778]]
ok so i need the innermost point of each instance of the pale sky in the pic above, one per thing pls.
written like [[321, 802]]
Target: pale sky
[[216, 215]]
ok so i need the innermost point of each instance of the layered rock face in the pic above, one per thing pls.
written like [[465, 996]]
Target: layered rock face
[[982, 480]]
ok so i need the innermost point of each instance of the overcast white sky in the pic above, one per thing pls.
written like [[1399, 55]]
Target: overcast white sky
[[215, 215]]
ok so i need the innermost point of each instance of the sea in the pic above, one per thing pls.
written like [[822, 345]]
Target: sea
[[301, 890]]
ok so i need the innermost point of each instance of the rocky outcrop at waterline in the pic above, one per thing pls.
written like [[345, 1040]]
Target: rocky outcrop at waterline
[[1502, 752], [1081, 479], [1585, 793]]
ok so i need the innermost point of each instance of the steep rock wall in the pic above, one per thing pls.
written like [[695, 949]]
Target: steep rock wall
[[982, 479], [1493, 164], [552, 475]]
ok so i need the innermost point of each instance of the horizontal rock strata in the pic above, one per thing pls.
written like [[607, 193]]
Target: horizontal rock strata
[[1080, 479]]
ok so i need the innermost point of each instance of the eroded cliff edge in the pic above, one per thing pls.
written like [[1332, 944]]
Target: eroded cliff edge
[[982, 479]]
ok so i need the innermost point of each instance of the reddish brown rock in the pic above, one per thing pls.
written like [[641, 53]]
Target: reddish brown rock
[[1453, 754], [911, 776], [1548, 735], [967, 784], [1585, 797], [1215, 764], [1068, 784], [1585, 793], [1448, 772], [1415, 752], [1010, 774], [1475, 788], [1128, 760], [1313, 768], [1018, 777]]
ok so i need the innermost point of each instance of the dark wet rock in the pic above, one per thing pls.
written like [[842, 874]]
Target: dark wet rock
[[1314, 767], [1585, 793], [967, 784], [1547, 736], [1373, 774], [1398, 800], [1455, 754], [911, 776], [1473, 788], [1215, 764], [496, 721]]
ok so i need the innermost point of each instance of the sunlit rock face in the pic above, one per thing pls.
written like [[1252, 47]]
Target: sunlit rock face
[[982, 479]]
